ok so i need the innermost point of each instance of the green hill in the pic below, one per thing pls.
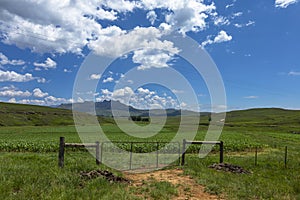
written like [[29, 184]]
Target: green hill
[[30, 115], [264, 116]]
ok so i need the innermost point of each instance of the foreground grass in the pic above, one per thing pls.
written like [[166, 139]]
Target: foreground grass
[[268, 180], [28, 165], [36, 176]]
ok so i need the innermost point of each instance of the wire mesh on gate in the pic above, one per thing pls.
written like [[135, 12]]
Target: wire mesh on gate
[[140, 155]]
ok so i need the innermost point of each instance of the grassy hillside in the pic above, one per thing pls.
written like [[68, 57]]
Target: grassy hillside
[[29, 115], [272, 118]]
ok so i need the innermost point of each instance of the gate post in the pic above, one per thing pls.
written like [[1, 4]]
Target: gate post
[[221, 152], [97, 153]]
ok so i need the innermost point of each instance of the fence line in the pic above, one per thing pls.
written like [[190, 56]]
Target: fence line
[[99, 150]]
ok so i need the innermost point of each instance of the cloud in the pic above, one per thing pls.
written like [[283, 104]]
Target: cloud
[[37, 92], [43, 98], [284, 3], [30, 101], [220, 20], [221, 37], [5, 61], [151, 16], [41, 80], [121, 5], [244, 25], [51, 100], [124, 41], [250, 97], [70, 26], [55, 26], [95, 76], [12, 76], [238, 14], [294, 73], [184, 15], [229, 5], [177, 91], [47, 64], [152, 58], [142, 98], [108, 80], [123, 95], [67, 70], [13, 92]]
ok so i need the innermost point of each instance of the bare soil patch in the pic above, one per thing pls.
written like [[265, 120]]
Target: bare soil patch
[[188, 188]]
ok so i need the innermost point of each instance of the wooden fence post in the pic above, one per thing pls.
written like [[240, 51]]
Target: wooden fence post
[[130, 159], [97, 153], [157, 153], [255, 156], [221, 152], [61, 153], [285, 157], [183, 152]]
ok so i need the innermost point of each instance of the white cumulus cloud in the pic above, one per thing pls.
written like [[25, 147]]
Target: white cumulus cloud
[[47, 64], [151, 16], [69, 26], [220, 20], [152, 58], [221, 37], [95, 76], [14, 93], [142, 98], [284, 3], [37, 92], [108, 80], [12, 76], [5, 61]]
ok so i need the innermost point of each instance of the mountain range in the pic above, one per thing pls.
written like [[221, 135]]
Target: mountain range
[[105, 108]]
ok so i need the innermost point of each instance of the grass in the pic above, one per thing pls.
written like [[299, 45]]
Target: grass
[[33, 173], [36, 176], [156, 190], [28, 157]]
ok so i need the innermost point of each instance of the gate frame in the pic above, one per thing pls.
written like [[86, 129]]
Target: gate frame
[[185, 142]]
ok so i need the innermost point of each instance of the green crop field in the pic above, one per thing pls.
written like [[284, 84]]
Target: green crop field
[[29, 166]]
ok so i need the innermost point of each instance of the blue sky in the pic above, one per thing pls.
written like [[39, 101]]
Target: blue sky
[[254, 44]]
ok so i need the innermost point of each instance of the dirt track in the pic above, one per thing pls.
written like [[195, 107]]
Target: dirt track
[[186, 186]]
